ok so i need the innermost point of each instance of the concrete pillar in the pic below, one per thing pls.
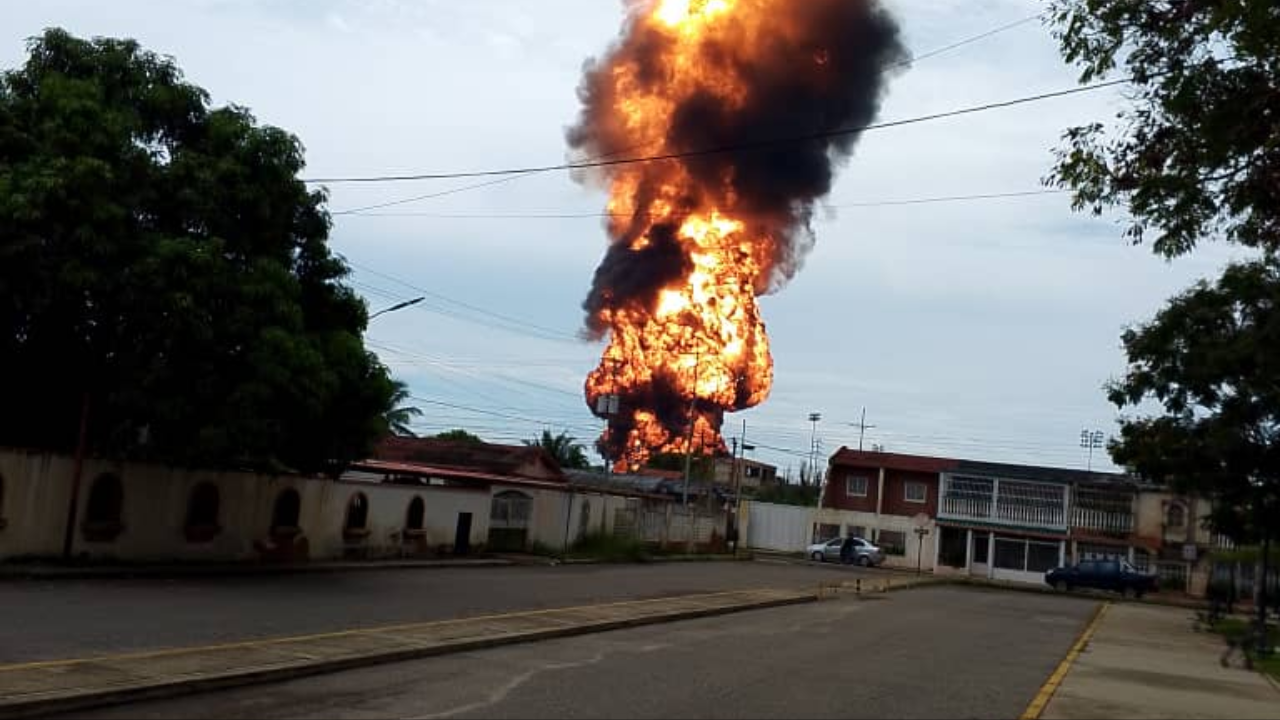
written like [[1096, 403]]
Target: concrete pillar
[[1062, 553], [968, 552], [991, 554], [879, 496], [937, 545]]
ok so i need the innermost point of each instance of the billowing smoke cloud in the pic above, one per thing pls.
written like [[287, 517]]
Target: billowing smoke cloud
[[757, 93]]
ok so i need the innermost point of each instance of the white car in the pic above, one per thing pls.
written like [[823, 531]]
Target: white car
[[863, 552]]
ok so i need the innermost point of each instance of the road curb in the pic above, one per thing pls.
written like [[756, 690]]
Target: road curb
[[18, 573], [159, 688]]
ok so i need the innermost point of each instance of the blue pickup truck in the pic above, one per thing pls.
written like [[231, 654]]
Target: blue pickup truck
[[1114, 575]]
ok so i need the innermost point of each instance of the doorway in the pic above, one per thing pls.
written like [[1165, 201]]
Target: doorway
[[462, 538]]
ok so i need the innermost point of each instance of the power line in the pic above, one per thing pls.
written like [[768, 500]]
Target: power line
[[736, 147], [912, 61], [968, 40], [510, 324], [428, 196], [596, 215]]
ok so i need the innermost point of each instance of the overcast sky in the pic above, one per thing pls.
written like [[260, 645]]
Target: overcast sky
[[981, 329]]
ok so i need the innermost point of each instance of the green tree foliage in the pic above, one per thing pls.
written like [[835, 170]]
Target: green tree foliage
[[459, 435], [701, 467], [1197, 154], [400, 416], [566, 450], [160, 257], [1211, 359], [786, 494]]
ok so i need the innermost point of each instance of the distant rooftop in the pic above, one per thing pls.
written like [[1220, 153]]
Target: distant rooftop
[[926, 463]]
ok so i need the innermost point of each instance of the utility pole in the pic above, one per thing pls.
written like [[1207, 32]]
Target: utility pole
[[607, 407], [735, 484], [814, 417], [862, 426], [688, 441]]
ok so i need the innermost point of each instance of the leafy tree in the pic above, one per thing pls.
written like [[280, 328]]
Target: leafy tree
[[702, 468], [400, 416], [460, 435], [1197, 154], [786, 494], [566, 450], [1210, 360], [162, 266]]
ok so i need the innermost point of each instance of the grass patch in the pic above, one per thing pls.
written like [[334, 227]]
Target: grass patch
[[1236, 630], [609, 548]]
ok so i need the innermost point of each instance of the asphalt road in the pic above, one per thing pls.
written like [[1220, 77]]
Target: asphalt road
[[60, 619], [926, 653]]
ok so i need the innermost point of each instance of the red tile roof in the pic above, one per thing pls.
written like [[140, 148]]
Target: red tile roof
[[506, 460], [449, 473], [893, 461]]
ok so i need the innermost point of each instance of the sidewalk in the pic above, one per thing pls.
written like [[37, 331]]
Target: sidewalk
[[39, 688], [1148, 662]]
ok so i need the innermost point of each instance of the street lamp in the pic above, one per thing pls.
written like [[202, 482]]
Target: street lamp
[[1091, 440], [398, 306], [814, 417]]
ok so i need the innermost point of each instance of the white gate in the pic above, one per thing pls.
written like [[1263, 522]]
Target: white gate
[[785, 528]]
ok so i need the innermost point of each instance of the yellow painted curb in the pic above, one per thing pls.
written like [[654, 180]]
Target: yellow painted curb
[[1042, 698]]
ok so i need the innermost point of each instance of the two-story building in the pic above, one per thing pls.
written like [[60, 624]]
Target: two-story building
[[1012, 522], [747, 475], [885, 498]]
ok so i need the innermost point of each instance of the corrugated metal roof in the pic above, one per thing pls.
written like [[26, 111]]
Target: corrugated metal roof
[[451, 473]]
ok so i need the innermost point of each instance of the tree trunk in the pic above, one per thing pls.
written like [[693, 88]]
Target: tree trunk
[[1260, 590]]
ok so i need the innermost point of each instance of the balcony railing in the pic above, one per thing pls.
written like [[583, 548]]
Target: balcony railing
[[1102, 521], [1004, 511]]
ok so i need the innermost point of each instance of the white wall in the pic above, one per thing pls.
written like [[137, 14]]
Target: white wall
[[787, 528], [37, 490], [38, 487]]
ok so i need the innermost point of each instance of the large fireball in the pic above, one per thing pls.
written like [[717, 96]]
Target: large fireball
[[755, 96]]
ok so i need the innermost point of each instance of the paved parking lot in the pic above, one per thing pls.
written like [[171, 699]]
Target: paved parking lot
[[930, 652]]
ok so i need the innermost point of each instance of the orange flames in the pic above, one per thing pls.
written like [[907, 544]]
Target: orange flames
[[696, 240]]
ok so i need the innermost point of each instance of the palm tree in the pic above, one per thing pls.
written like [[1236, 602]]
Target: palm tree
[[400, 416], [566, 450]]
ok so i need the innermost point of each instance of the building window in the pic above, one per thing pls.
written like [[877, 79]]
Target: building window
[[752, 471], [202, 513], [415, 518], [102, 516], [509, 515], [285, 514], [1176, 517], [893, 542], [857, 531], [1042, 556], [916, 492], [2, 520], [357, 516], [856, 486], [824, 532], [1011, 554]]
